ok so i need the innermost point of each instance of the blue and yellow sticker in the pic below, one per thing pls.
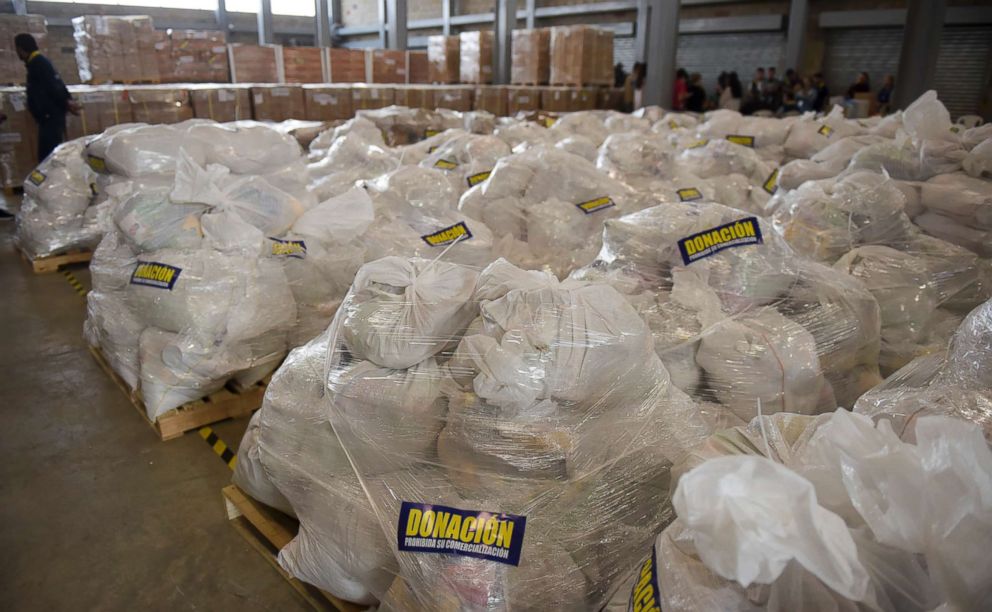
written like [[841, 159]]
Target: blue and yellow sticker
[[37, 177], [710, 242], [475, 179], [746, 141], [431, 528], [445, 164], [689, 194], [698, 144], [644, 597], [97, 163], [289, 248], [595, 205], [825, 130], [771, 183], [155, 274], [449, 235]]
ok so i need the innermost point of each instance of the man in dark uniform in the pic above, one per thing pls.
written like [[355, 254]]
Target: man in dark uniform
[[48, 98]]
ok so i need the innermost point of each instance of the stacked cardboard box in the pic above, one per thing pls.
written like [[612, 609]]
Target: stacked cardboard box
[[370, 96], [491, 99], [346, 65], [531, 59], [444, 57], [455, 98], [192, 56], [62, 52], [303, 64], [100, 108], [581, 55], [524, 99], [417, 68], [610, 98], [121, 49], [476, 57], [386, 66], [253, 63], [11, 68], [18, 138], [277, 102], [327, 103], [231, 103], [414, 97], [160, 104]]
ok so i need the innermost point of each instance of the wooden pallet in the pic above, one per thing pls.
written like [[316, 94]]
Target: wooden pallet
[[51, 263], [218, 406], [267, 530]]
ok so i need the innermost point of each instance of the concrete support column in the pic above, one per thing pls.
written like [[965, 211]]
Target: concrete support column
[[795, 42], [323, 23], [641, 31], [396, 24], [662, 44], [920, 46], [446, 17], [223, 23], [265, 33], [531, 16], [506, 20]]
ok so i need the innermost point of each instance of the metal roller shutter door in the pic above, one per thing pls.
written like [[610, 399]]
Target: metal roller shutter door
[[962, 64], [623, 52], [711, 54]]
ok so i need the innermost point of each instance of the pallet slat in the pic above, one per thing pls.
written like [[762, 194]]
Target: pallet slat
[[217, 406], [267, 531], [47, 265]]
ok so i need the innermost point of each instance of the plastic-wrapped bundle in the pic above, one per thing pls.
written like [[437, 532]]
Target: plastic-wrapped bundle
[[956, 382], [578, 145], [583, 123], [413, 154], [521, 135], [514, 434], [137, 150], [978, 162], [827, 162], [763, 132], [958, 210], [641, 160], [246, 147], [841, 515], [401, 125], [616, 122], [467, 160], [547, 207], [737, 168], [810, 135], [360, 126], [739, 317], [351, 158], [56, 215], [414, 190]]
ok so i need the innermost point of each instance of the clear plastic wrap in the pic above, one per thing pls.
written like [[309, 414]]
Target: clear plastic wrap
[[467, 160], [737, 315], [534, 409], [828, 513]]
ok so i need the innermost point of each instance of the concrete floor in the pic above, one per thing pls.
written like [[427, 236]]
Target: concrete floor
[[95, 512]]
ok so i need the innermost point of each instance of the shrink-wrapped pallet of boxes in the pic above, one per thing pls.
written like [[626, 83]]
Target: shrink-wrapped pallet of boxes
[[581, 55], [100, 108], [531, 59], [414, 97], [160, 104], [476, 57], [386, 65], [221, 103], [116, 49], [18, 142], [490, 98], [277, 102], [253, 63], [457, 98], [443, 57], [193, 56], [11, 68], [522, 99], [346, 65], [303, 64], [327, 103], [417, 68], [365, 97]]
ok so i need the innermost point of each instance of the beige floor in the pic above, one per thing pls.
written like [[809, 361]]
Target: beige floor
[[95, 512]]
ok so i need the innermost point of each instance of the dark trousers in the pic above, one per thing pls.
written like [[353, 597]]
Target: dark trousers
[[51, 132]]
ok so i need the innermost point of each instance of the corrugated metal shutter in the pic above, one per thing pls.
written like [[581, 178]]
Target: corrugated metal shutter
[[963, 67], [623, 52], [711, 54], [962, 64]]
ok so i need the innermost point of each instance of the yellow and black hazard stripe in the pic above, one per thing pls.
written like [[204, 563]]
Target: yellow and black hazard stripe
[[220, 449], [78, 286]]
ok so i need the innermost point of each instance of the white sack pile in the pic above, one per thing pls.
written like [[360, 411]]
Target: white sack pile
[[507, 393], [739, 317], [56, 214], [829, 513]]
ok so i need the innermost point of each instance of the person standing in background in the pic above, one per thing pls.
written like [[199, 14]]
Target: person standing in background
[[619, 75], [730, 92], [822, 93], [632, 87], [48, 97], [884, 96], [773, 90], [860, 85], [681, 89], [755, 93], [695, 100]]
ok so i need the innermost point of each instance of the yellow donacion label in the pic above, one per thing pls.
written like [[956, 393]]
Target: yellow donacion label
[[475, 179], [448, 235], [771, 183], [672, 124], [825, 130], [747, 141], [37, 177], [955, 129], [644, 597], [429, 132], [97, 163], [592, 206], [445, 164], [289, 248], [431, 149], [689, 194], [549, 121], [155, 274], [698, 144]]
